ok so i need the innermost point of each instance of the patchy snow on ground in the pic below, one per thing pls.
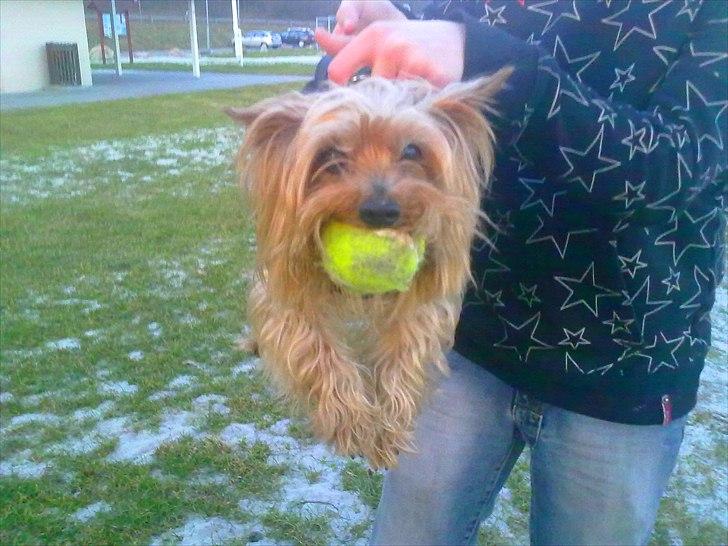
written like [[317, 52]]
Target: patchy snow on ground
[[20, 466], [213, 403], [117, 388], [135, 356], [155, 330], [311, 484], [246, 367], [103, 431], [64, 173], [201, 531], [324, 497], [706, 432], [139, 447], [34, 418], [97, 413], [91, 511], [66, 344]]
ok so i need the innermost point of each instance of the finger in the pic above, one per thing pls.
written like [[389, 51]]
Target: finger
[[386, 66], [347, 17], [438, 78], [421, 67], [331, 43], [390, 58], [350, 26], [357, 54]]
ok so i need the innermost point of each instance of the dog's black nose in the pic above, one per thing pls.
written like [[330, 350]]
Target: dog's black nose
[[379, 211]]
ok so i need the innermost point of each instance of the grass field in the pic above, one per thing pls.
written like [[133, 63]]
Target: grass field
[[127, 417], [293, 69]]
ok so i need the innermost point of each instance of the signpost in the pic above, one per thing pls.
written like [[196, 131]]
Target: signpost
[[122, 22], [237, 35], [120, 25], [193, 41]]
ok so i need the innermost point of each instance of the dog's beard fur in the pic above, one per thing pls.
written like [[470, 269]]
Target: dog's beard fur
[[360, 366]]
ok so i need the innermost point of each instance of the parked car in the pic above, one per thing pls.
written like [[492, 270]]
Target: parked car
[[261, 39], [298, 36]]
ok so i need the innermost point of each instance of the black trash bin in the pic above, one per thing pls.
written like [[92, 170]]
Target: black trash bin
[[63, 64]]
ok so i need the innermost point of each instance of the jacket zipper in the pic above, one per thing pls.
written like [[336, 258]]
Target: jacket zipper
[[666, 402]]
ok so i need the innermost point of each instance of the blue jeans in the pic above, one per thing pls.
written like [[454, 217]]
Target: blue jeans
[[592, 481]]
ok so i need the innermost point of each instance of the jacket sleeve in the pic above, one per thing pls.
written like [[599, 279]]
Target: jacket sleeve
[[645, 162]]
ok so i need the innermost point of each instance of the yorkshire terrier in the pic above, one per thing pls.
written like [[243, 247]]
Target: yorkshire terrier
[[377, 154]]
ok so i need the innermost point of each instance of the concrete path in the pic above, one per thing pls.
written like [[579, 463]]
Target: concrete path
[[136, 83], [185, 57]]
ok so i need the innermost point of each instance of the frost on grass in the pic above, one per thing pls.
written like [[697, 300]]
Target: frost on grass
[[700, 481], [139, 447], [20, 466], [155, 330], [98, 412], [179, 383], [87, 306], [66, 344], [212, 403], [103, 431], [246, 367], [118, 388], [326, 496], [34, 418], [201, 531], [182, 381], [64, 173], [135, 356], [91, 511]]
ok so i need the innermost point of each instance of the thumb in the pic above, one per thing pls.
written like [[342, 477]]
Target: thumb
[[331, 43]]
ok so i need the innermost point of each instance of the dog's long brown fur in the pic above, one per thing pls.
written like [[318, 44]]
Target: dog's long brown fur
[[360, 365]]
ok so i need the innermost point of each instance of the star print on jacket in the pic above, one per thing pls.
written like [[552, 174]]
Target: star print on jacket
[[609, 192]]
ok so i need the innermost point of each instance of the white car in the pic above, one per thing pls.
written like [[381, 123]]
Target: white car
[[261, 39]]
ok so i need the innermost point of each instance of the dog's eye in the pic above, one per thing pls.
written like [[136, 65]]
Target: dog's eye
[[331, 160], [411, 152]]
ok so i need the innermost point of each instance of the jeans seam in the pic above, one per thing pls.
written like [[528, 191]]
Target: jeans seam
[[473, 525]]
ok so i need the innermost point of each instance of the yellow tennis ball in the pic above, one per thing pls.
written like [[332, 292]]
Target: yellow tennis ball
[[367, 261]]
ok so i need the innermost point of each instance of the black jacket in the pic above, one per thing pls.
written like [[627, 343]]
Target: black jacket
[[609, 192]]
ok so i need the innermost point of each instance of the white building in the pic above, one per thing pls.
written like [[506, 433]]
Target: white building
[[25, 28]]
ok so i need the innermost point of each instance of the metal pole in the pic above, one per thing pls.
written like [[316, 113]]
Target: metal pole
[[117, 49], [237, 35], [207, 24], [193, 41]]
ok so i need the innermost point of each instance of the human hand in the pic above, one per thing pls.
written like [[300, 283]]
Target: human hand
[[354, 16], [432, 50]]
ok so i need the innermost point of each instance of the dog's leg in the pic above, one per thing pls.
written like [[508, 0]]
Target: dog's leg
[[409, 349], [316, 373]]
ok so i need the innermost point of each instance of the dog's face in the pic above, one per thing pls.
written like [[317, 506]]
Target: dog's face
[[378, 154]]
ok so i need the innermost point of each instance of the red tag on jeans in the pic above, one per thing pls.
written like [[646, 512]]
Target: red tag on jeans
[[666, 402]]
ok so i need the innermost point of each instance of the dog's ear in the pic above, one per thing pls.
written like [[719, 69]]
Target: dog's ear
[[272, 119], [457, 101]]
